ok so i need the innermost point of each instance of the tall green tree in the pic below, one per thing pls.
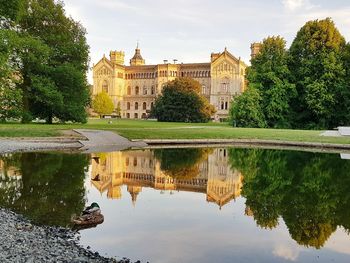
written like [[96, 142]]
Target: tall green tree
[[318, 71], [344, 107], [181, 101], [246, 110], [10, 95], [269, 73], [58, 87]]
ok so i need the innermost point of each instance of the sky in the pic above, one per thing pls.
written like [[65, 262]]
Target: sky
[[190, 30]]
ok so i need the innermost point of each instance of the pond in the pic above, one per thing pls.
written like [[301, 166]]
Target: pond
[[192, 204]]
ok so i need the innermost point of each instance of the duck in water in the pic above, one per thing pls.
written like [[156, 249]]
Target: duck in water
[[94, 208], [90, 217]]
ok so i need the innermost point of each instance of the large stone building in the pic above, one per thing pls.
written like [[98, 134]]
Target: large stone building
[[134, 88]]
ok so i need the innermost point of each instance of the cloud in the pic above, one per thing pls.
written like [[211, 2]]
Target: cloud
[[293, 5], [286, 252]]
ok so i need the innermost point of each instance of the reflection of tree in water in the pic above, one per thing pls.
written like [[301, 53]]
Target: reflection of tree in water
[[181, 163], [309, 191], [52, 187]]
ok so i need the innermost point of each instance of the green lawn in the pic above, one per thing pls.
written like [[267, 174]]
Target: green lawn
[[141, 129]]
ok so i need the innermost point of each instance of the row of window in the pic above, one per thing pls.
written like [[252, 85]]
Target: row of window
[[143, 162], [104, 71], [136, 116], [136, 91], [165, 73], [144, 106], [196, 74], [147, 91]]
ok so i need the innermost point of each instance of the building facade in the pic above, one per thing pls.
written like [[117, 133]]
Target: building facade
[[133, 89]]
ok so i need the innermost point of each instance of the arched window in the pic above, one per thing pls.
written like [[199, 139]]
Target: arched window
[[226, 105], [128, 115], [105, 86], [144, 91], [137, 90], [135, 161], [144, 106], [152, 105], [129, 90], [136, 116], [222, 103], [152, 90], [136, 105], [128, 105], [144, 116]]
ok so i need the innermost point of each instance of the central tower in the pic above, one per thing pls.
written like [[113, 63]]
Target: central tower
[[137, 59]]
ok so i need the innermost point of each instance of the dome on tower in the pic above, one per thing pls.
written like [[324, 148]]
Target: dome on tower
[[137, 59]]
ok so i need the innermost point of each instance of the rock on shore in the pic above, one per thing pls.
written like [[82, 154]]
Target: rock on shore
[[20, 241]]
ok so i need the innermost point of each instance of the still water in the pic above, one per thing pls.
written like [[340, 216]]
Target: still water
[[192, 205]]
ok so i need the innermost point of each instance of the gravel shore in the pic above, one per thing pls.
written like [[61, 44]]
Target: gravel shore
[[7, 146], [21, 241]]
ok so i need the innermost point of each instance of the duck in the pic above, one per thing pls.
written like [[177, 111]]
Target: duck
[[90, 217], [94, 208]]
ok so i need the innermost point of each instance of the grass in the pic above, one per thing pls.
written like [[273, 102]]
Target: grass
[[142, 129]]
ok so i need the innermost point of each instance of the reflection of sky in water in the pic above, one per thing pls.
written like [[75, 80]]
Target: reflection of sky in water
[[183, 227]]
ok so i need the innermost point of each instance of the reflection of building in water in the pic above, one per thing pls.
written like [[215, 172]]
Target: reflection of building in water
[[137, 169], [10, 178]]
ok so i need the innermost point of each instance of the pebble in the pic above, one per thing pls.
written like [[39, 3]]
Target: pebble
[[21, 241]]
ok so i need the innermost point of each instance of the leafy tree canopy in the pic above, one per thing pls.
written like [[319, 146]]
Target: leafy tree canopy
[[10, 96], [181, 101], [51, 57], [318, 71], [10, 8], [247, 111], [102, 104], [269, 73]]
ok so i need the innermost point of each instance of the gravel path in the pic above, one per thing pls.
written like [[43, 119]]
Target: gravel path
[[96, 141], [20, 241], [105, 141]]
